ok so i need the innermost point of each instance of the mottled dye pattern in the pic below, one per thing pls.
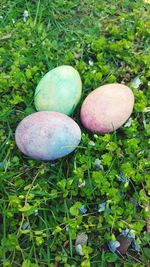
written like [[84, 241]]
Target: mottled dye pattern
[[47, 135], [59, 90], [107, 108]]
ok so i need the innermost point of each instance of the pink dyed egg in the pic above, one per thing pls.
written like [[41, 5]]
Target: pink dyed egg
[[107, 108], [47, 135]]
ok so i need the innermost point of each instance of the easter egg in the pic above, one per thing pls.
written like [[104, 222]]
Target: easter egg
[[47, 135], [107, 108], [59, 90]]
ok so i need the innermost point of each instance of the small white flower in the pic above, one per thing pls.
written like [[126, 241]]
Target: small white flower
[[13, 21], [67, 228], [91, 143], [128, 123], [136, 82], [113, 245], [123, 82], [83, 209], [98, 164], [25, 15], [36, 212], [79, 250], [25, 225], [102, 206], [1, 17], [128, 233], [82, 184], [93, 71], [91, 63], [123, 179]]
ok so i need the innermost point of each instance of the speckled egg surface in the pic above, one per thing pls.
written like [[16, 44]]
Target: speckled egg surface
[[47, 135], [107, 108], [59, 90]]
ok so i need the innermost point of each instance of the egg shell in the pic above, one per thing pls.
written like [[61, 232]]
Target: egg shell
[[59, 90], [47, 135], [107, 108]]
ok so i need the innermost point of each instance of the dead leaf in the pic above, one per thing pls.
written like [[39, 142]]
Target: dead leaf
[[148, 219], [148, 225], [66, 243], [77, 55], [124, 244], [5, 37], [127, 78], [81, 239]]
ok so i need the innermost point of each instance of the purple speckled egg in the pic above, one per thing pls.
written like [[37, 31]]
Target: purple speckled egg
[[47, 135], [107, 108]]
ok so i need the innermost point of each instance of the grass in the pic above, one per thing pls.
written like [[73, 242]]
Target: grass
[[40, 201]]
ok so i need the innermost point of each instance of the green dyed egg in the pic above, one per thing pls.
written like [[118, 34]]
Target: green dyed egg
[[59, 90]]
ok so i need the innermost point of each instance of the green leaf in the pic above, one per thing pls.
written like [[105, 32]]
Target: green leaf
[[74, 210], [62, 184], [107, 159], [146, 252], [27, 207], [26, 263], [85, 263], [111, 257]]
